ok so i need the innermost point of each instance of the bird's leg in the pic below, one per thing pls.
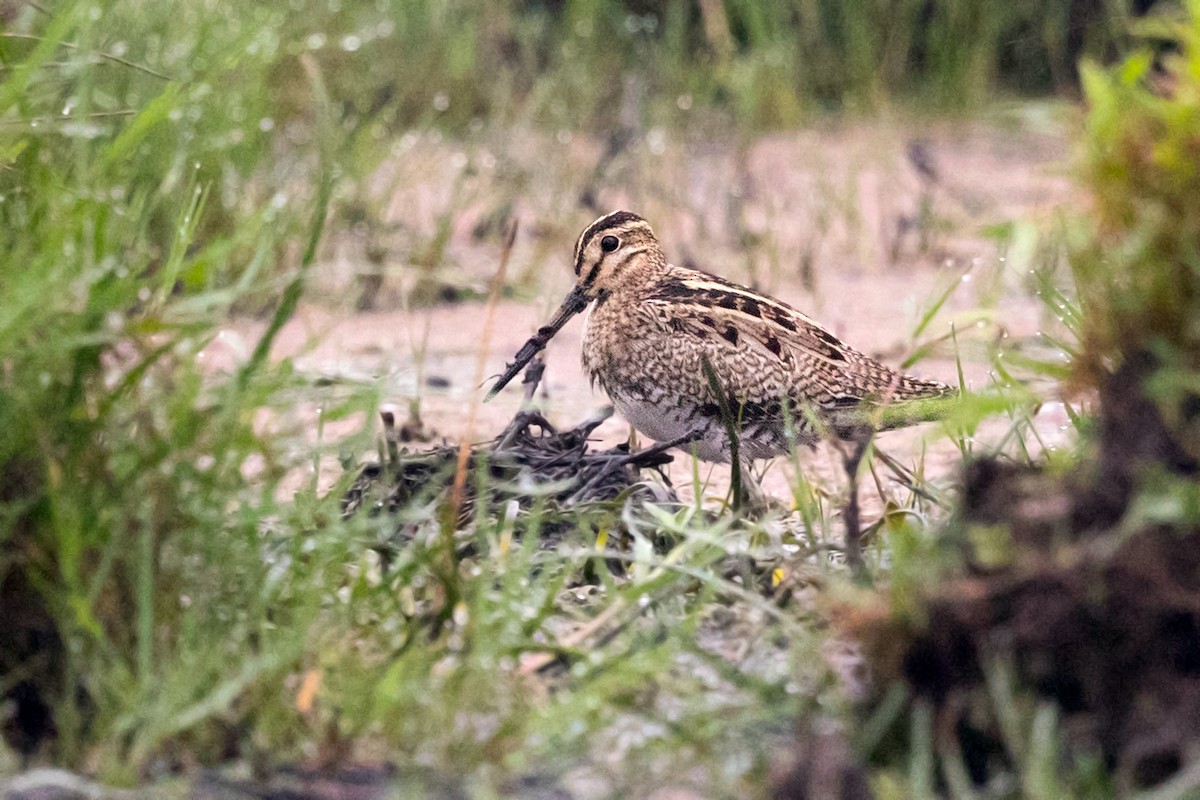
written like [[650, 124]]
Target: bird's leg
[[736, 472], [750, 496], [854, 555]]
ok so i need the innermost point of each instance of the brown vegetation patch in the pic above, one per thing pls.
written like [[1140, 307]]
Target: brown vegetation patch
[[1090, 602]]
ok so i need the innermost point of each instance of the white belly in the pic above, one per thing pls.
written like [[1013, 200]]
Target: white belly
[[661, 423], [664, 423]]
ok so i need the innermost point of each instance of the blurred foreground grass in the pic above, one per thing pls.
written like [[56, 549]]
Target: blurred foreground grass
[[164, 165]]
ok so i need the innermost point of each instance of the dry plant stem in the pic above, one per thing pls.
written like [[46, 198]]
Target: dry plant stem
[[464, 449], [646, 457]]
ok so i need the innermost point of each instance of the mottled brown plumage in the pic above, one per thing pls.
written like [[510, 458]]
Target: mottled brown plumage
[[682, 352]]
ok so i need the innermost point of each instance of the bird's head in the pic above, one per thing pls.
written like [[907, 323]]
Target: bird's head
[[619, 249], [614, 251]]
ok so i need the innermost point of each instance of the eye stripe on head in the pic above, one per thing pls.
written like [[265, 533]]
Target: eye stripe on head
[[591, 276], [616, 268], [606, 222]]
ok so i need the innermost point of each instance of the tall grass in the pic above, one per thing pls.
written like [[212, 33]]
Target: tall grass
[[234, 85], [136, 210], [765, 64]]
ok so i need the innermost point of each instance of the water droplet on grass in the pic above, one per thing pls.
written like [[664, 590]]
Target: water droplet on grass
[[656, 141]]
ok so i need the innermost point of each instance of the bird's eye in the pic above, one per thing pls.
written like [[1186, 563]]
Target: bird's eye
[[609, 243]]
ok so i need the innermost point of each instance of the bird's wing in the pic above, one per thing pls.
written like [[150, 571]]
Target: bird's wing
[[803, 362], [764, 345], [713, 348]]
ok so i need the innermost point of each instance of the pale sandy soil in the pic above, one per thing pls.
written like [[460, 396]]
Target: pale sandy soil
[[755, 213]]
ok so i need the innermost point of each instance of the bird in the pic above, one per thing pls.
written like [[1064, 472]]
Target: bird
[[731, 373]]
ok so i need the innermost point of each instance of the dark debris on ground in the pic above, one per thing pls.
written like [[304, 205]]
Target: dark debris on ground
[[530, 462]]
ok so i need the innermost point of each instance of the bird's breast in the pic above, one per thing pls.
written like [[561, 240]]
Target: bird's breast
[[609, 334]]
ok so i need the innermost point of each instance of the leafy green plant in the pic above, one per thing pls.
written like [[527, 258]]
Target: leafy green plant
[[1025, 610], [1137, 276]]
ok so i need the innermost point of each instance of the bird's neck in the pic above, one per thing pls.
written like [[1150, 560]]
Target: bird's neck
[[639, 278]]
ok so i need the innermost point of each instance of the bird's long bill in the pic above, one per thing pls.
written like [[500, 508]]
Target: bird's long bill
[[575, 302]]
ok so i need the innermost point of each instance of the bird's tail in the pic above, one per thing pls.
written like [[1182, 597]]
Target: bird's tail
[[898, 400], [910, 388]]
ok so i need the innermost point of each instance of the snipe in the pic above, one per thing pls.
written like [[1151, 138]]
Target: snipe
[[687, 355]]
